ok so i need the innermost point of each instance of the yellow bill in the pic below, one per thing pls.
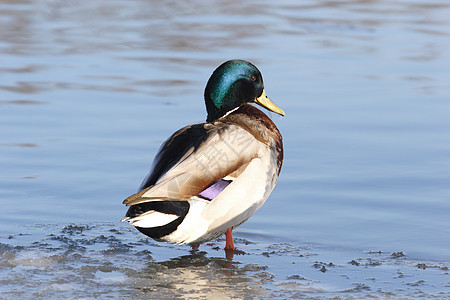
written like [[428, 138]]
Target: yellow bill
[[264, 101]]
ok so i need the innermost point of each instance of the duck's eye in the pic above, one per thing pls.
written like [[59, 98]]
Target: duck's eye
[[253, 78]]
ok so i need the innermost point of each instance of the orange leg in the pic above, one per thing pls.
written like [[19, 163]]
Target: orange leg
[[230, 243]]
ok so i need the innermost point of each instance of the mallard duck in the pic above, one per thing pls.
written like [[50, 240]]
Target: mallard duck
[[209, 178]]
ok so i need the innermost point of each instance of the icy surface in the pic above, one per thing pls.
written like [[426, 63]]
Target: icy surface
[[111, 260]]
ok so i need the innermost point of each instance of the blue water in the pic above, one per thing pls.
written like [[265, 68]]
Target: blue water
[[88, 92]]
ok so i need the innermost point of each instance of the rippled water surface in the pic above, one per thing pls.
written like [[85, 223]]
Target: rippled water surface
[[89, 90]]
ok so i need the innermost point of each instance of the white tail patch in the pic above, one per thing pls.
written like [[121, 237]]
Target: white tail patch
[[152, 219]]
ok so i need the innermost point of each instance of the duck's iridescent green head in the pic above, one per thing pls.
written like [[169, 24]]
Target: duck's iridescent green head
[[232, 84]]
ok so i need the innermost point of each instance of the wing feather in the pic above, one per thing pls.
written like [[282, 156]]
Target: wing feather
[[195, 157]]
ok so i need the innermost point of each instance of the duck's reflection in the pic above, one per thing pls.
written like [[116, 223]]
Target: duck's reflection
[[195, 258], [229, 254], [198, 276], [198, 258]]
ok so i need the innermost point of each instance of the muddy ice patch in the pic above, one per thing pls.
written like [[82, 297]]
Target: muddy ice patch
[[113, 260]]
